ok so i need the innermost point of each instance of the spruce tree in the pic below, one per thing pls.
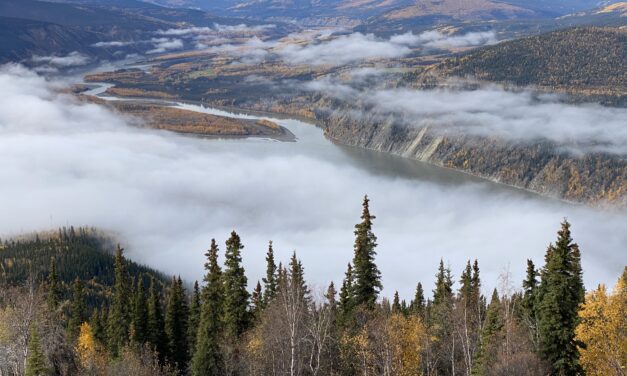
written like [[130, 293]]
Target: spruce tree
[[53, 286], [440, 316], [139, 323], [330, 296], [281, 276], [269, 282], [256, 300], [36, 362], [417, 305], [236, 295], [367, 284], [194, 318], [347, 303], [297, 278], [78, 309], [491, 328], [528, 302], [530, 285], [560, 293], [156, 326], [466, 288], [207, 359], [396, 303], [97, 326], [119, 318], [176, 320]]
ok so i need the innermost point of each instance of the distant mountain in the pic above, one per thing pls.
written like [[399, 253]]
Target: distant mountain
[[358, 9], [556, 7], [30, 27], [582, 60]]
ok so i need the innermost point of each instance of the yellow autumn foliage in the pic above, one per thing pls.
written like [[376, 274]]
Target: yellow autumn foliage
[[407, 336], [603, 329], [87, 349]]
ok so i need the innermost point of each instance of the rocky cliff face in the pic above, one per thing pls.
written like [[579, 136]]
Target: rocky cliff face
[[597, 179]]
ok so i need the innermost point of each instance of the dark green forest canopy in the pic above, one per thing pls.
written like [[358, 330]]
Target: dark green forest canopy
[[83, 253]]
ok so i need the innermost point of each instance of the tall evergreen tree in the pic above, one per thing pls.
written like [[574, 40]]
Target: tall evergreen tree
[[443, 293], [330, 296], [440, 316], [236, 295], [560, 293], [207, 359], [491, 328], [119, 318], [257, 301], [176, 321], [78, 309], [530, 285], [194, 317], [269, 281], [297, 277], [53, 286], [347, 303], [529, 300], [465, 290], [98, 326], [417, 305], [36, 362], [367, 284], [281, 276], [156, 326], [396, 303], [139, 323]]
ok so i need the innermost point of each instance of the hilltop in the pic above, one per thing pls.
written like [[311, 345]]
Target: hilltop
[[582, 60]]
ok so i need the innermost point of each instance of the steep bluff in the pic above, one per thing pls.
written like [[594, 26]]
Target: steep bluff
[[596, 179]]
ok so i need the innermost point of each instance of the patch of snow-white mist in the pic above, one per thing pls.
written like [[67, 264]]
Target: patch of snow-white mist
[[72, 59], [493, 111]]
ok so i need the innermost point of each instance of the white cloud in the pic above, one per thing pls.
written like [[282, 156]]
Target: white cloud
[[342, 50], [165, 44], [435, 39], [492, 111], [241, 29], [186, 31], [166, 196], [70, 60], [113, 43]]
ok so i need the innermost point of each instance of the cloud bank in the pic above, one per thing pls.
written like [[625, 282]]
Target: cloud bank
[[166, 196], [342, 50], [492, 111], [435, 39], [357, 46], [165, 44], [321, 47], [218, 29], [72, 59]]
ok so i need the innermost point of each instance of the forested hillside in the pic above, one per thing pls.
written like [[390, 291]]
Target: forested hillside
[[544, 325], [585, 60], [85, 254]]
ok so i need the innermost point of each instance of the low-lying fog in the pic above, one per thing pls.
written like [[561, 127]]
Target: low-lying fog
[[167, 195]]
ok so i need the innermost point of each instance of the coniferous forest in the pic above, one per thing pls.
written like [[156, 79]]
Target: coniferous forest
[[69, 307]]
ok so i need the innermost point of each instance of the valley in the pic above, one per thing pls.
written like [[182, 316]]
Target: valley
[[374, 187], [331, 96]]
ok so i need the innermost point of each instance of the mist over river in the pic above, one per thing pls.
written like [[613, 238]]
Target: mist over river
[[166, 195]]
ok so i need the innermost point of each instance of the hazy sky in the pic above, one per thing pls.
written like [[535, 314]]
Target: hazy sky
[[167, 195]]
